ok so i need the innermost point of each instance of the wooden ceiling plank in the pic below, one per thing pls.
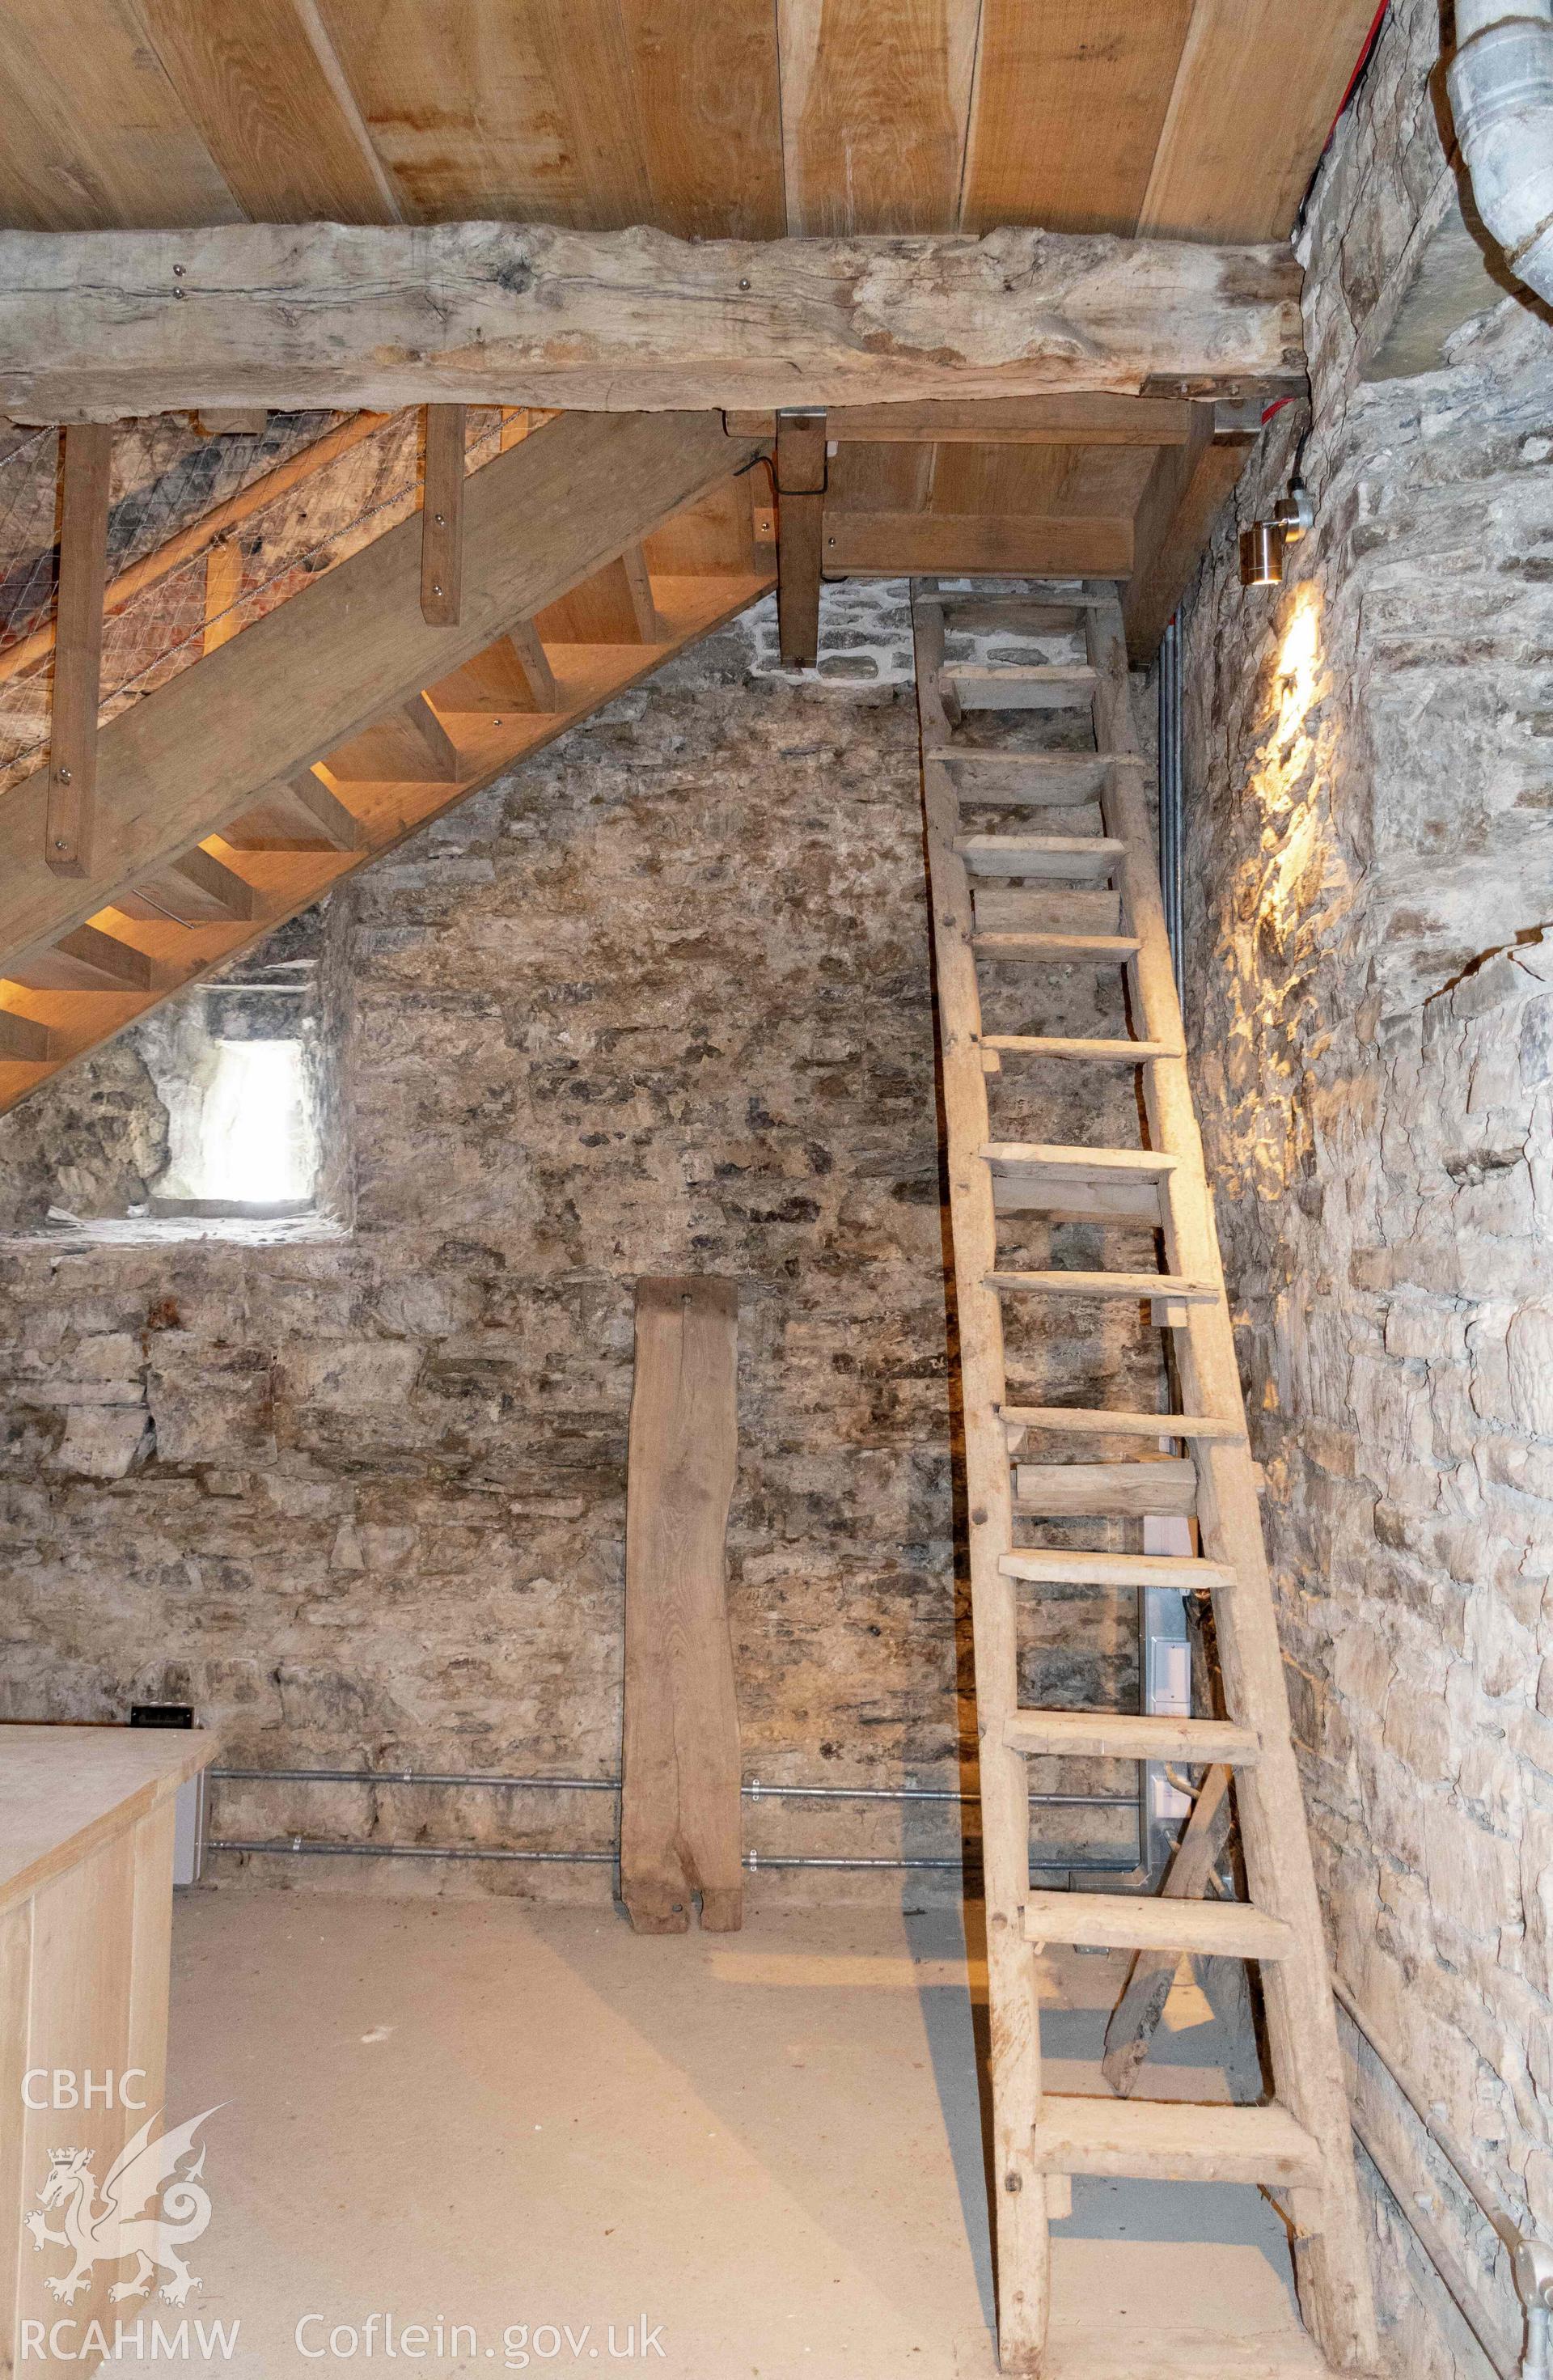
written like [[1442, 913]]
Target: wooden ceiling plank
[[1254, 95], [708, 90], [96, 137], [874, 107], [901, 545], [588, 61], [87, 460], [1089, 420], [481, 313], [1070, 98], [276, 114], [460, 107], [309, 677]]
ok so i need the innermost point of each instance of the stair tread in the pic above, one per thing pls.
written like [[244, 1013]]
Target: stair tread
[[23, 1039], [1063, 1566], [1122, 1735], [1098, 1420], [1109, 1284], [1174, 2140]]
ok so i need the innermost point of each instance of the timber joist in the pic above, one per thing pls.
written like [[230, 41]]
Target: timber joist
[[1033, 902], [339, 723]]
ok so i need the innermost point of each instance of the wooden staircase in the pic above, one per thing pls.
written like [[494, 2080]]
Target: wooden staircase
[[244, 788], [1092, 899]]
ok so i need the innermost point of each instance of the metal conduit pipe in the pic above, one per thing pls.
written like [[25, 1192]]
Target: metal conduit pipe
[[1501, 96], [752, 1792], [298, 1847], [1171, 828], [1531, 2263]]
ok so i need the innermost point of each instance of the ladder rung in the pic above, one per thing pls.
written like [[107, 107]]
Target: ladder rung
[[1086, 1185], [1147, 1921], [1127, 1491], [1100, 1053], [1059, 907], [1081, 598], [1097, 1421], [1117, 948], [1123, 1735], [993, 685], [1054, 1566], [1091, 1164], [1056, 779], [1174, 2140], [1130, 1285], [1073, 857]]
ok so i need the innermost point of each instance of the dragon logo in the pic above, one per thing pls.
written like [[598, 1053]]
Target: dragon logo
[[149, 2210]]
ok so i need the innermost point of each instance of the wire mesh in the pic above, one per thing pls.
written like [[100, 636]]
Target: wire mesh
[[167, 479]]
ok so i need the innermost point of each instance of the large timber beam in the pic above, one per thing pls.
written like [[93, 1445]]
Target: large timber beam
[[96, 324], [353, 647]]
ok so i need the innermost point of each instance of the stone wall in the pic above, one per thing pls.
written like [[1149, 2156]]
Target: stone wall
[[1370, 994], [660, 1001]]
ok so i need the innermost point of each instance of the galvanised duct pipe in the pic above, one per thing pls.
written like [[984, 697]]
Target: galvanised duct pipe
[[1501, 96]]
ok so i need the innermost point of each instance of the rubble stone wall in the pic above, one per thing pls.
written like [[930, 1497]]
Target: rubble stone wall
[[660, 1001], [1369, 961]]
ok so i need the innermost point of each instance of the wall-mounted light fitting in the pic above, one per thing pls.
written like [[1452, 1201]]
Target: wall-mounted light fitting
[[1262, 545]]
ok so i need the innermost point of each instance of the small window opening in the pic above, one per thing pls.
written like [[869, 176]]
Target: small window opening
[[243, 1136]]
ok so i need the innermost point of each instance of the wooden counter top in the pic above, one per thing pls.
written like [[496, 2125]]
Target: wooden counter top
[[65, 1789]]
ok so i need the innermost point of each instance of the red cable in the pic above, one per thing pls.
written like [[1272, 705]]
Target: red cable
[[1370, 40]]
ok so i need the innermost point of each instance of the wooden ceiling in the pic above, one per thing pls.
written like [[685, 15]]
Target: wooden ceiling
[[1193, 118]]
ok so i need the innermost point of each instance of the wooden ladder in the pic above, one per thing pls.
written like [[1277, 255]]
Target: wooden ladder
[[1298, 2143]]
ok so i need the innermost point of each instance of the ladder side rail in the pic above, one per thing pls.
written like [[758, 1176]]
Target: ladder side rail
[[1019, 2189], [1334, 2269]]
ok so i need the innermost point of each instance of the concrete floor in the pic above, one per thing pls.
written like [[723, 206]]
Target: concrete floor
[[766, 2146]]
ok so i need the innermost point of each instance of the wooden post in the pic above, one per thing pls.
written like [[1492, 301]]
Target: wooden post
[[1134, 2021], [87, 452], [800, 482], [442, 519], [679, 1814], [223, 585]]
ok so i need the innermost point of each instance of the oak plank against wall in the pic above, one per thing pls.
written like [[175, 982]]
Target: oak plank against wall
[[679, 1814]]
